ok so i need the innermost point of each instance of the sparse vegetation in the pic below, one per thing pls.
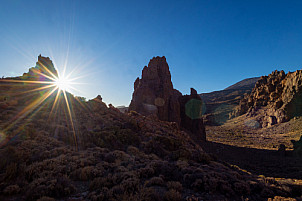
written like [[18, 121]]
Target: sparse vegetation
[[119, 157]]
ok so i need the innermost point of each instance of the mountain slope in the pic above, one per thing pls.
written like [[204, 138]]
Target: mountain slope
[[219, 104], [246, 83], [88, 151]]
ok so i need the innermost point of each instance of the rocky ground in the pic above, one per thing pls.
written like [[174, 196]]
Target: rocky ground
[[256, 149], [104, 154], [244, 132], [119, 157]]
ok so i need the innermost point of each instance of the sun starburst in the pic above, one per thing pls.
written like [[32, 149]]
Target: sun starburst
[[63, 83], [52, 82]]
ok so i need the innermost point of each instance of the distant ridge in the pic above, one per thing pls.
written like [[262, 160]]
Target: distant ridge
[[246, 83], [219, 104]]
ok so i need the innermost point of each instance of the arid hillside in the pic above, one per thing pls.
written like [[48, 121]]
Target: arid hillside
[[55, 146], [219, 104]]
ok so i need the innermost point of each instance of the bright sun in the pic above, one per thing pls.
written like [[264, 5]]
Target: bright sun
[[56, 82], [63, 83]]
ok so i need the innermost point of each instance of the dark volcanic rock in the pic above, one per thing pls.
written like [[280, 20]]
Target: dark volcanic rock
[[154, 95], [191, 114], [44, 66], [279, 93], [154, 92]]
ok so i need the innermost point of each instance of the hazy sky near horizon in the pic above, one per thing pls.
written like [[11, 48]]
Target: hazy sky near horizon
[[209, 45]]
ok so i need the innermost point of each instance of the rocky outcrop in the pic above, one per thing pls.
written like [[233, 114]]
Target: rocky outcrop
[[278, 96], [44, 68], [191, 114], [154, 92], [154, 95]]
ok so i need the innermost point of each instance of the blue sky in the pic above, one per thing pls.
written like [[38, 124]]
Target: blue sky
[[209, 45]]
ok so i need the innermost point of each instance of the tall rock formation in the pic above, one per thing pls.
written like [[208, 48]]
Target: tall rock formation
[[278, 96], [154, 95], [154, 92]]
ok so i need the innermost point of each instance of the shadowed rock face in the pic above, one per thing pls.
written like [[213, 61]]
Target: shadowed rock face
[[154, 92], [44, 66], [279, 93], [191, 114], [154, 95]]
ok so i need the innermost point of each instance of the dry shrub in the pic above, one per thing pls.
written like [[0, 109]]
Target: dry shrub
[[201, 157], [226, 188], [198, 185], [130, 185], [182, 154], [175, 185], [172, 195], [45, 198], [146, 172], [155, 147], [100, 182], [117, 190], [256, 187], [169, 143], [110, 157], [266, 192], [88, 173], [128, 137], [211, 184], [55, 187], [99, 195], [8, 155], [149, 194], [11, 171], [242, 188], [11, 190], [169, 170], [121, 156], [155, 181], [133, 150], [142, 194]]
